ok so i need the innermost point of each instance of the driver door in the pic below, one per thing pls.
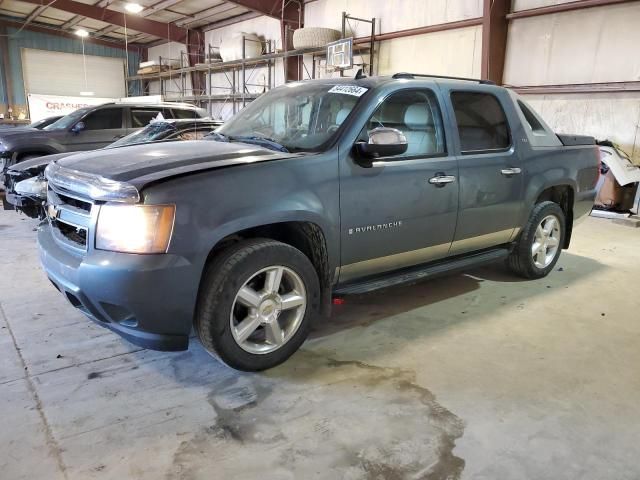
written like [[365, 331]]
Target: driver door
[[393, 213]]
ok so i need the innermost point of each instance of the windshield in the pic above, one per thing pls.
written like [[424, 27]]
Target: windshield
[[152, 132], [298, 116], [68, 121]]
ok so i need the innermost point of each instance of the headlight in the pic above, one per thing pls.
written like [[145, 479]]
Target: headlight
[[135, 228], [32, 187]]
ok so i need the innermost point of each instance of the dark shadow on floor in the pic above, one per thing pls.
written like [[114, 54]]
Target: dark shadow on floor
[[366, 309]]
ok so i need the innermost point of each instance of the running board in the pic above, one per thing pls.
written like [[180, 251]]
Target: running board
[[416, 274]]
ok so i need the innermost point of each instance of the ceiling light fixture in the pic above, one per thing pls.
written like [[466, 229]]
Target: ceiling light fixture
[[82, 33], [133, 7]]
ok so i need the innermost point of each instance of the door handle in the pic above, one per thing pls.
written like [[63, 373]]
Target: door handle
[[508, 172], [442, 180], [118, 137]]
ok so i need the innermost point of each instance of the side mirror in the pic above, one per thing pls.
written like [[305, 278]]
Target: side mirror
[[78, 127], [383, 142]]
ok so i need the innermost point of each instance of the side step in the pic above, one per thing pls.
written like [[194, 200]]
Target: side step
[[423, 272]]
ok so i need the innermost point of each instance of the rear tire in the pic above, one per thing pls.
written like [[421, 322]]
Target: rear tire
[[256, 304], [540, 243]]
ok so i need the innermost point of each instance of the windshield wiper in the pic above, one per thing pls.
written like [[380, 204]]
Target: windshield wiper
[[260, 141]]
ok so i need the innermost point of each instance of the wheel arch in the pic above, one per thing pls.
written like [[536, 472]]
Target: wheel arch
[[305, 235], [564, 196]]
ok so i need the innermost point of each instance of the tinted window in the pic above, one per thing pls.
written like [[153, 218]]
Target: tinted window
[[106, 118], [482, 124], [185, 113], [140, 117], [530, 117], [416, 114]]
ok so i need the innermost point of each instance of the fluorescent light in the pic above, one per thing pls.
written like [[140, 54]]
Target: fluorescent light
[[87, 94], [133, 7], [82, 33]]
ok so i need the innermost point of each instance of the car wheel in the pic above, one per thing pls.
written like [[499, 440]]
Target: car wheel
[[256, 304], [540, 243]]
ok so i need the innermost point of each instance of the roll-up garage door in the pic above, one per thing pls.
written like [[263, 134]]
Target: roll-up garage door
[[57, 73]]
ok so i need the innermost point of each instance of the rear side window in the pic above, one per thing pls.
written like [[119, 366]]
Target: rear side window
[[185, 114], [104, 119], [530, 117], [482, 124], [141, 117]]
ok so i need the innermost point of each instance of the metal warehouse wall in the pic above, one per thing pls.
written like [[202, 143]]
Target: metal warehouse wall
[[597, 44], [42, 41]]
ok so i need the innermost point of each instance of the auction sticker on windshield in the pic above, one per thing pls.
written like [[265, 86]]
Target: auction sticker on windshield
[[349, 90]]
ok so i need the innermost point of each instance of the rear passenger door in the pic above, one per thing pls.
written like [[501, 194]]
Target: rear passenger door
[[101, 127], [394, 213], [490, 172]]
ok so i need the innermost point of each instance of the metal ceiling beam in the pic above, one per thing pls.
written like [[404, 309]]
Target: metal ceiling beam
[[135, 22], [564, 7], [494, 39], [270, 8], [204, 14], [78, 18], [144, 13], [55, 30], [35, 13]]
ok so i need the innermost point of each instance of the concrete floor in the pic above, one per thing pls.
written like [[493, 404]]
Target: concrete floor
[[473, 376]]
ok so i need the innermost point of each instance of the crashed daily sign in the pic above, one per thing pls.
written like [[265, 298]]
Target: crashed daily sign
[[43, 106]]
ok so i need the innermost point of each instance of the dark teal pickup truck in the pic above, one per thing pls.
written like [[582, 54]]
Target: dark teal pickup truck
[[317, 188]]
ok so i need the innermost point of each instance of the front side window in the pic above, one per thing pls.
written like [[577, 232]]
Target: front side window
[[300, 117], [68, 121], [417, 115], [104, 119], [482, 124]]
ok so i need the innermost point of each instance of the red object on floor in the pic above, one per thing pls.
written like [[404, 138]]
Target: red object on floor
[[338, 301]]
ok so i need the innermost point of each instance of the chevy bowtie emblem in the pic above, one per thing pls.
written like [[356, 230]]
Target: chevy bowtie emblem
[[52, 211]]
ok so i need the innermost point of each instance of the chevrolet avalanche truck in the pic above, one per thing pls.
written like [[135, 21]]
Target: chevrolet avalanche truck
[[317, 188]]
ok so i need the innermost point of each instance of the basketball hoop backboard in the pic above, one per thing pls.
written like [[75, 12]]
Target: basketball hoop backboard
[[340, 55]]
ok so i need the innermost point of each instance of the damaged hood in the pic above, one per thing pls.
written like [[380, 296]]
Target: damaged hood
[[139, 165]]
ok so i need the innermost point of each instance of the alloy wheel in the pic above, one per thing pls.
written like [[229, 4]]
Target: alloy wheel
[[546, 241], [268, 310]]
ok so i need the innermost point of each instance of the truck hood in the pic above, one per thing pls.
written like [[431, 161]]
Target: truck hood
[[139, 165]]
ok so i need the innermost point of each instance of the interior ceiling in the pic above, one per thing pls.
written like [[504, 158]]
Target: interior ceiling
[[188, 14]]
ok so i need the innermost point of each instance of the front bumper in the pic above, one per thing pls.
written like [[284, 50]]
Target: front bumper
[[147, 299]]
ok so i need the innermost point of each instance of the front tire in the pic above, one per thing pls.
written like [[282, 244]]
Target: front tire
[[256, 304], [540, 243]]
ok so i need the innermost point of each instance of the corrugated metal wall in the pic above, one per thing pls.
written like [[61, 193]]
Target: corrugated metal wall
[[43, 41]]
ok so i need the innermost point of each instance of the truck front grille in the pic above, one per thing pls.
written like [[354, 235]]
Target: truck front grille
[[70, 218], [76, 235], [74, 202]]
